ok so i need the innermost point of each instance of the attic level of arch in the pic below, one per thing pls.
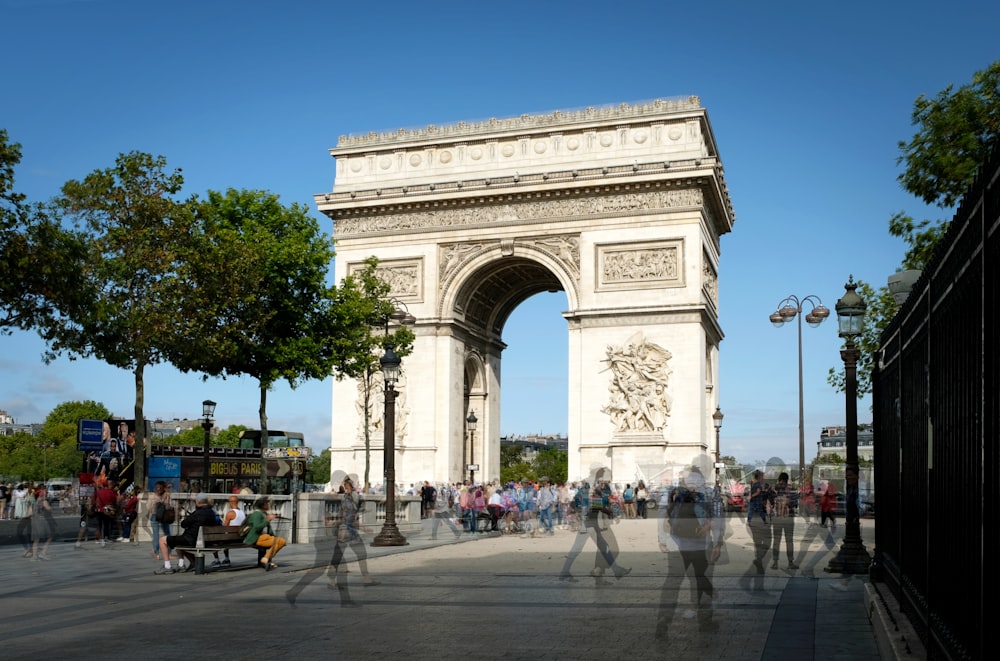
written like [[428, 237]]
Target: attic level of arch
[[521, 180]]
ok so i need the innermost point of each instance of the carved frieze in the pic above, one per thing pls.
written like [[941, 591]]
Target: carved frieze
[[639, 376], [525, 211], [370, 406], [404, 277], [710, 282], [639, 265]]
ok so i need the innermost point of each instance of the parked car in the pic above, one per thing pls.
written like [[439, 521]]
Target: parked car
[[56, 488], [735, 503]]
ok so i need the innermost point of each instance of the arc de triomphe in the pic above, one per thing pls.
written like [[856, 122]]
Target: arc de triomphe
[[621, 208]]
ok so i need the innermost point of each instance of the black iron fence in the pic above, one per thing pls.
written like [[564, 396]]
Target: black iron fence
[[936, 413]]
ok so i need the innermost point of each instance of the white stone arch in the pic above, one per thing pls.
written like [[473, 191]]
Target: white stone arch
[[621, 208]]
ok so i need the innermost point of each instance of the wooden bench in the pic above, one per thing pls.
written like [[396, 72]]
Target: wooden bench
[[215, 538]]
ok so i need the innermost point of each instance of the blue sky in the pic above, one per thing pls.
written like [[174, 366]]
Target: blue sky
[[807, 102]]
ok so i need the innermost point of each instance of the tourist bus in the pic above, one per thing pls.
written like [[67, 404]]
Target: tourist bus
[[284, 458]]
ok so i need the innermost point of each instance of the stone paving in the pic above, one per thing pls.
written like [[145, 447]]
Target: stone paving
[[485, 596]]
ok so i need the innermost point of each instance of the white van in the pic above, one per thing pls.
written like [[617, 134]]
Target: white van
[[56, 487]]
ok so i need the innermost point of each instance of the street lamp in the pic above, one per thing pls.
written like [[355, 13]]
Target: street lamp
[[786, 312], [853, 557], [390, 535], [207, 411], [471, 424], [717, 422]]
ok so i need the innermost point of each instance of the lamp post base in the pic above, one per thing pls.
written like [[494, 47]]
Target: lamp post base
[[389, 536], [852, 558]]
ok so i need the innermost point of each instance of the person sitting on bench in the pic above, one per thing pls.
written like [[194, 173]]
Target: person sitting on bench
[[234, 517], [203, 515], [261, 535]]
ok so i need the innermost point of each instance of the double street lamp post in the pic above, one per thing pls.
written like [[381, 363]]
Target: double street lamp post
[[853, 557], [789, 309], [207, 411]]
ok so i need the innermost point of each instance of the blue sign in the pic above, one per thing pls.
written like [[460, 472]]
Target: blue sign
[[91, 436]]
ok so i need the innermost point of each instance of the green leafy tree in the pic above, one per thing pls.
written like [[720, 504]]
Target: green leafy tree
[[126, 224], [552, 463], [36, 260], [52, 452], [318, 468], [510, 455], [517, 472], [956, 129], [268, 313], [223, 438]]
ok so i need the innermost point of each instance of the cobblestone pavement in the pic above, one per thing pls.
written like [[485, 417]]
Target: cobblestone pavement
[[485, 596]]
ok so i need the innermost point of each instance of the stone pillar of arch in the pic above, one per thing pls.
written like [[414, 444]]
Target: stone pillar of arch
[[620, 208]]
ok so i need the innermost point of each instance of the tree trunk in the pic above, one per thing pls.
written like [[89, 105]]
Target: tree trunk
[[139, 450], [262, 411]]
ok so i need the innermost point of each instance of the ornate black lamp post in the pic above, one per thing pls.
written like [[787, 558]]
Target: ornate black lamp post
[[717, 422], [207, 411], [786, 312], [471, 424], [853, 557], [390, 535]]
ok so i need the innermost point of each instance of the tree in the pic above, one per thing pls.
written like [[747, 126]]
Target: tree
[[269, 313], [124, 311], [956, 129], [552, 463], [318, 468], [33, 252], [52, 452]]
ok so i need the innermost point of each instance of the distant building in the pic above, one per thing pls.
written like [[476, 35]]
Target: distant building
[[533, 443], [833, 440], [8, 427]]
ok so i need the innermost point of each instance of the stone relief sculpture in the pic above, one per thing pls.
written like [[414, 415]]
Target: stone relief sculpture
[[453, 255], [402, 280], [376, 409], [710, 283], [638, 388], [566, 248], [523, 211], [641, 264]]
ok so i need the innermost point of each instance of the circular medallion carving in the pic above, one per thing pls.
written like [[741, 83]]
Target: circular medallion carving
[[572, 144], [385, 162], [446, 157], [476, 153], [414, 160], [607, 139], [640, 137], [540, 147], [675, 133], [356, 165], [508, 150]]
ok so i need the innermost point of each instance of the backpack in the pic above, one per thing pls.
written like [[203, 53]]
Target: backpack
[[628, 494], [581, 501], [683, 513]]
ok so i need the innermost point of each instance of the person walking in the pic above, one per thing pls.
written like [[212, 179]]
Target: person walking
[[597, 511], [348, 535], [443, 512], [43, 525], [546, 500], [782, 523], [160, 506], [691, 533]]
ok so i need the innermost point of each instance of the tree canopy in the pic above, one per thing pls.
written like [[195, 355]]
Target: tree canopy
[[956, 129]]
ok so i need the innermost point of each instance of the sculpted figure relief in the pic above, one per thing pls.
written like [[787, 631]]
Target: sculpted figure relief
[[638, 399]]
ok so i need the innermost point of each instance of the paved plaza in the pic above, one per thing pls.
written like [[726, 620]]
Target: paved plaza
[[486, 597]]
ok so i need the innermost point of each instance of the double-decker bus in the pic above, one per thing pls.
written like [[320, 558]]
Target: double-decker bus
[[283, 458]]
